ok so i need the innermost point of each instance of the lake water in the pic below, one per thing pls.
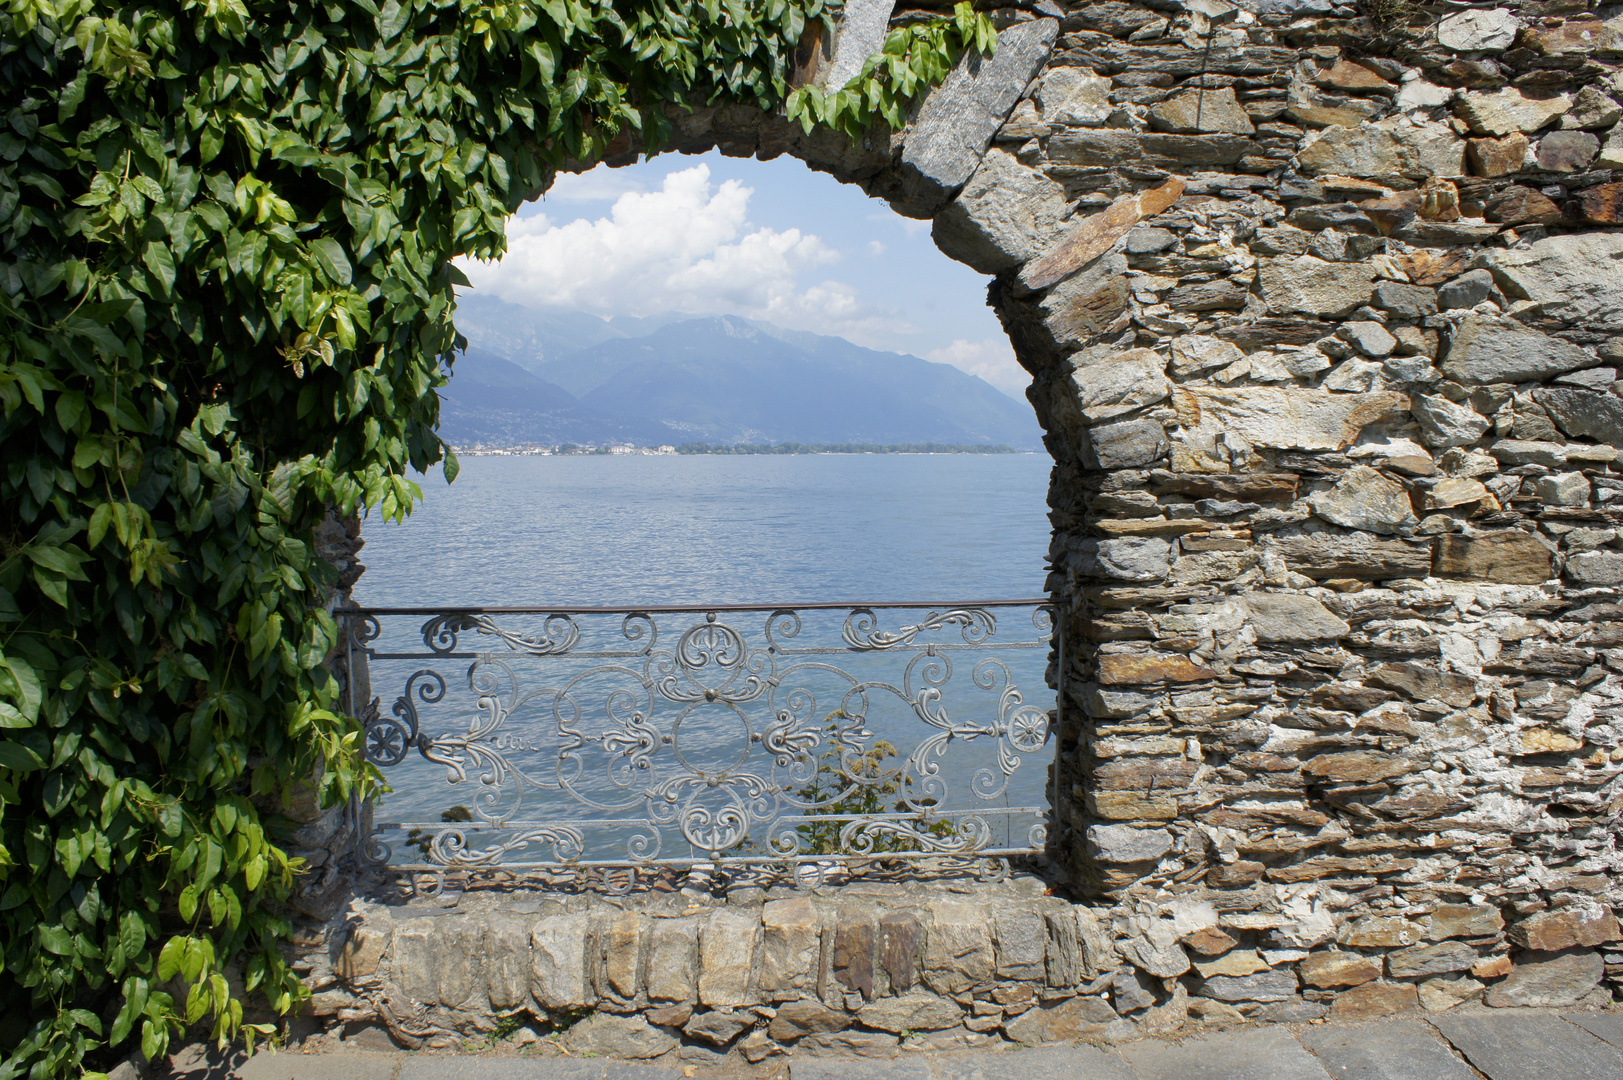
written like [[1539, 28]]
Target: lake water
[[632, 531], [599, 529]]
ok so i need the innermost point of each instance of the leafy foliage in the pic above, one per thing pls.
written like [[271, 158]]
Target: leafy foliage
[[226, 308], [848, 785], [915, 57]]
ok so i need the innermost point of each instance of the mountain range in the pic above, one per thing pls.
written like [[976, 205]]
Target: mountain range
[[541, 377]]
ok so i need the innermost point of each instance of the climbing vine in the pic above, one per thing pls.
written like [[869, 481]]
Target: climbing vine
[[914, 57], [225, 308]]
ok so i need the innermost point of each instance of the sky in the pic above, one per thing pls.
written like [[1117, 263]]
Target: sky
[[772, 240]]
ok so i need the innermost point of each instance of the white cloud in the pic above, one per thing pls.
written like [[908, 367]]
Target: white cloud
[[992, 360], [688, 247], [875, 249], [598, 184]]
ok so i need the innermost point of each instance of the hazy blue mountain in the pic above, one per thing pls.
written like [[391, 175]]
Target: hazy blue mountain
[[495, 402], [725, 379], [528, 336], [718, 379]]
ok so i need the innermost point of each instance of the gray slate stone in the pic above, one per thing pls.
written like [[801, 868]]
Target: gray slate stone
[[1127, 444], [1395, 1050], [1567, 151], [1132, 990], [1444, 423], [1365, 499], [1478, 31], [1405, 301], [1292, 617], [1548, 979], [1126, 382], [1125, 844], [1595, 378], [1290, 1011], [864, 24], [481, 1067], [1195, 111], [1369, 338], [1524, 1046], [1135, 558], [1004, 216], [1253, 1054], [1585, 414], [1595, 568], [1309, 286], [1263, 986], [1058, 1063], [617, 1036], [1575, 277], [812, 1068], [1467, 290], [918, 1011], [293, 1066], [958, 119], [1607, 1026], [1430, 960], [1500, 350]]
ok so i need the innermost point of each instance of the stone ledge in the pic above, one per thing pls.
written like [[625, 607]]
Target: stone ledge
[[855, 969]]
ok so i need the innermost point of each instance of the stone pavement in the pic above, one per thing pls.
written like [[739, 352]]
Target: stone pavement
[[1465, 1044]]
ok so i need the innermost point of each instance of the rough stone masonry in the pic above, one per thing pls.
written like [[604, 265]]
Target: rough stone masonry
[[1323, 306]]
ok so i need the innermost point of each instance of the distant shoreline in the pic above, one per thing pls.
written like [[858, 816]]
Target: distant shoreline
[[746, 449]]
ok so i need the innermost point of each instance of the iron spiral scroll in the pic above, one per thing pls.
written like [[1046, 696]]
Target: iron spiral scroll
[[761, 741]]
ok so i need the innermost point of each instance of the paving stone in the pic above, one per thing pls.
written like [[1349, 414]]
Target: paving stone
[[808, 1068], [1405, 1050], [485, 1067], [1058, 1063], [290, 1065], [1257, 1054], [1608, 1026], [1522, 1046]]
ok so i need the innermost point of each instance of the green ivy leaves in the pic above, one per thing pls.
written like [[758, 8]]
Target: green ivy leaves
[[226, 309], [915, 57]]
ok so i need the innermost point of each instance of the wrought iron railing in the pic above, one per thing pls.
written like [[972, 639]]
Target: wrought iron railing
[[758, 740]]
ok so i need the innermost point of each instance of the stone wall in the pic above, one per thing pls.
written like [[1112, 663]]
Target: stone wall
[[1323, 315]]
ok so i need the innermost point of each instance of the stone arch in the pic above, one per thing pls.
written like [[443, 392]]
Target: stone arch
[[1244, 257]]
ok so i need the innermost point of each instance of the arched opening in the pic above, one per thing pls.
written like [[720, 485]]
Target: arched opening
[[692, 417]]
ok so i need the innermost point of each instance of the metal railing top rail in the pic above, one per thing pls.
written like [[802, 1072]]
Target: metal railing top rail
[[694, 609], [748, 735]]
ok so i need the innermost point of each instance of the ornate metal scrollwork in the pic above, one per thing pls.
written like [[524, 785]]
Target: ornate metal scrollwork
[[558, 634], [594, 751]]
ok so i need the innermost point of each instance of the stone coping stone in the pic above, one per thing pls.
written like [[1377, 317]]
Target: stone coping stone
[[542, 901], [1258, 1054], [1525, 1045], [1400, 1050]]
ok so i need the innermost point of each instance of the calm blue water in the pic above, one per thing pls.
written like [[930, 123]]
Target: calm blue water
[[603, 531], [593, 530]]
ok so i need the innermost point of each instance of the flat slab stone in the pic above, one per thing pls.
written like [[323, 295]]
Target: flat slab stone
[[956, 122], [1608, 1026], [1257, 1054], [490, 1067], [810, 1068], [1520, 1046], [1400, 1050], [290, 1065], [1056, 1063]]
